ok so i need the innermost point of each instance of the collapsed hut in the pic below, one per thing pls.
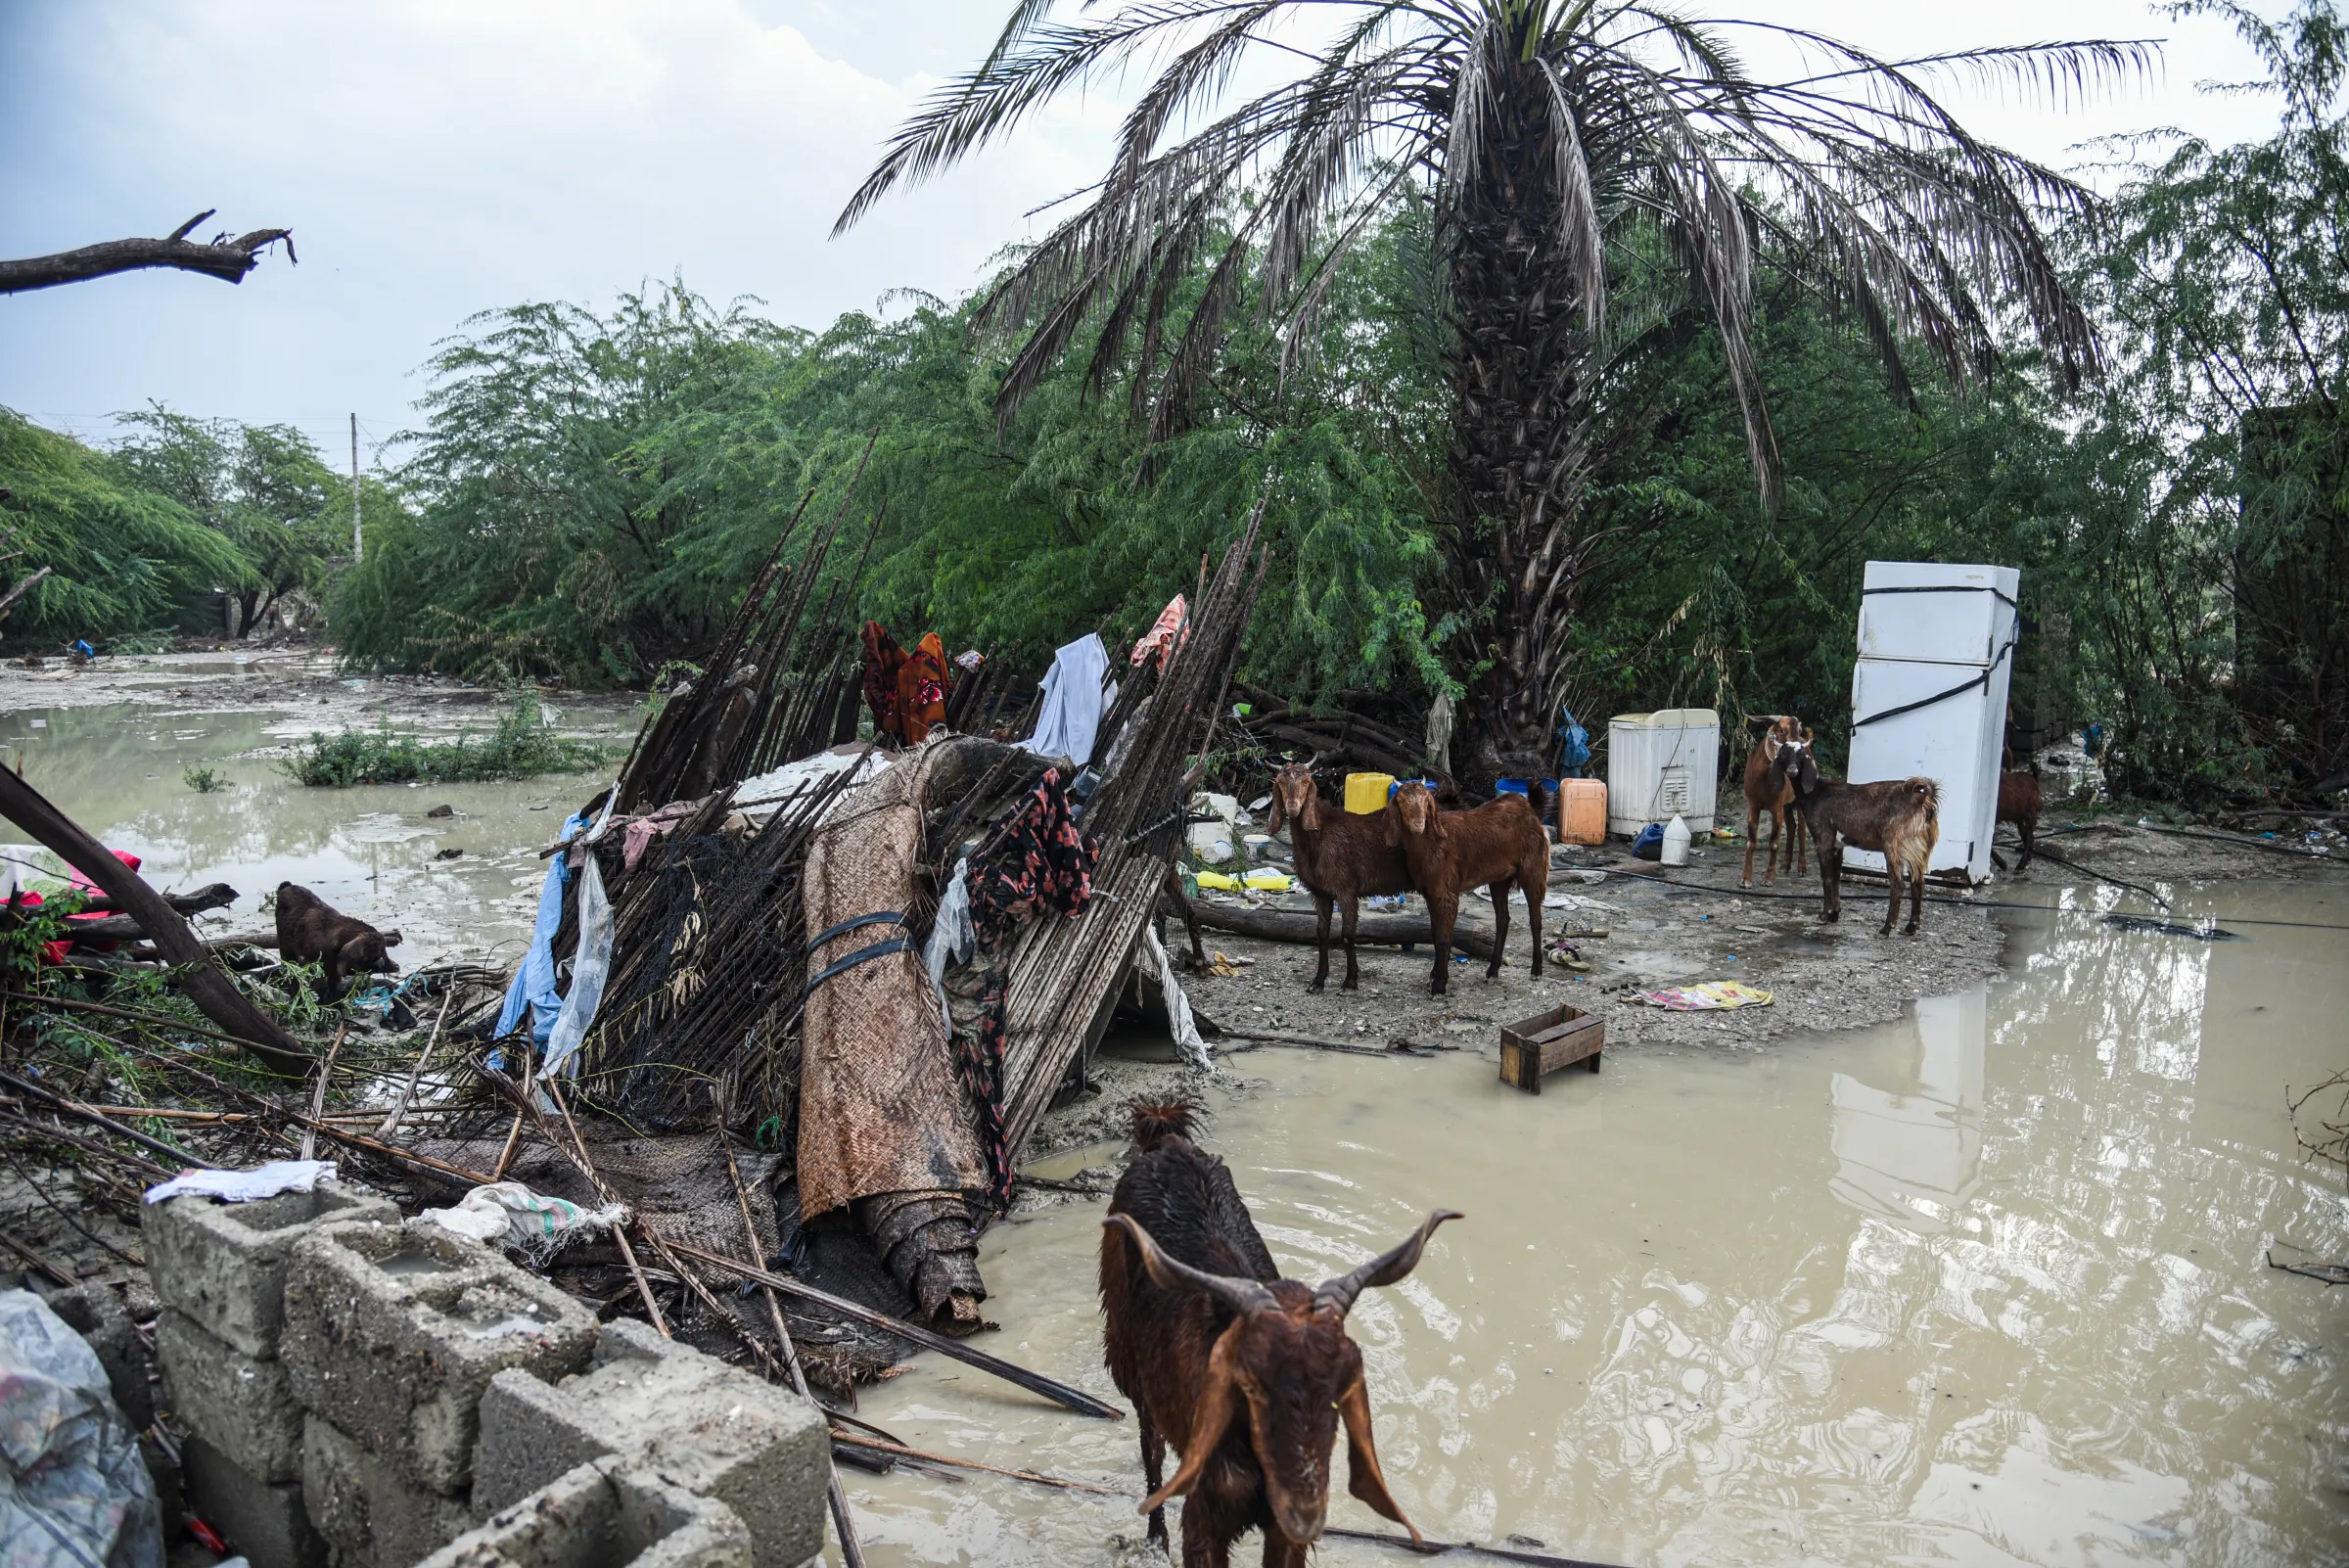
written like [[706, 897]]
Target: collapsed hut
[[826, 986]]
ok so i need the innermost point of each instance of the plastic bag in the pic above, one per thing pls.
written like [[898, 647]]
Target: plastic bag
[[509, 1213], [77, 1495]]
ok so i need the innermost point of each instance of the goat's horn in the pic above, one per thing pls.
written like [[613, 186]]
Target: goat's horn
[[1172, 1273], [1384, 1269]]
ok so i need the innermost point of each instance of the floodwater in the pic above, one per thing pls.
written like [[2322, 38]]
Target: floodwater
[[371, 851], [1988, 1286]]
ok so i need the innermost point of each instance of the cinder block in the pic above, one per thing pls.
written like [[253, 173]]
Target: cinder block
[[263, 1522], [96, 1314], [392, 1332], [720, 1432], [366, 1510], [224, 1264], [238, 1403], [604, 1514]]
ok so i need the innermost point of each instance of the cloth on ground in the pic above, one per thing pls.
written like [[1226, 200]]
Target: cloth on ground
[[245, 1186], [1170, 631], [1075, 700], [1714, 995], [534, 985], [509, 1213], [75, 1492]]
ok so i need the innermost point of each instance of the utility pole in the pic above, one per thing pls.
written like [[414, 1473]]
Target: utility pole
[[354, 489]]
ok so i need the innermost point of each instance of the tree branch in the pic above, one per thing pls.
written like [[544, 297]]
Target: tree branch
[[223, 258]]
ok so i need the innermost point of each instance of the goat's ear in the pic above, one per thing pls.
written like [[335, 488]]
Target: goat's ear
[[1391, 819], [1309, 815], [1363, 1478], [1278, 815], [1210, 1417]]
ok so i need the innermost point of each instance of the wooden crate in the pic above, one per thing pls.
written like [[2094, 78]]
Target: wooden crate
[[1547, 1041]]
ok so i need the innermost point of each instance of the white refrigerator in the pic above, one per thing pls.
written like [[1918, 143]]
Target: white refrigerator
[[1929, 695]]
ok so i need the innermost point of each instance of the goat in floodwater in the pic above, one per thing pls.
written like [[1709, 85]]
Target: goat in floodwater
[[1246, 1373], [1899, 819]]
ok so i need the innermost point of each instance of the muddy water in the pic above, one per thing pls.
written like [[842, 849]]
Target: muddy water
[[1987, 1286], [371, 851]]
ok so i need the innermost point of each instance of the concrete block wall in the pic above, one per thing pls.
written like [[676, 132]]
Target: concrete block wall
[[409, 1385], [219, 1273], [606, 1513], [760, 1449]]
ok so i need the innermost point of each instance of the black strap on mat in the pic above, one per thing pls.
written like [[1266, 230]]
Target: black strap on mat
[[1982, 679], [883, 917], [879, 949]]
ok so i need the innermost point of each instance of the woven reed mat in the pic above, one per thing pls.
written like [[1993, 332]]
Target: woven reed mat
[[678, 1185], [880, 1107]]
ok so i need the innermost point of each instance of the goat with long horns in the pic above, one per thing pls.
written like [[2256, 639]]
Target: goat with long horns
[[1246, 1373]]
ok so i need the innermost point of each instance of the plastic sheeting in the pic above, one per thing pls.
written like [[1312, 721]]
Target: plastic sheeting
[[1184, 1027], [76, 1494], [1075, 700], [952, 937], [534, 985]]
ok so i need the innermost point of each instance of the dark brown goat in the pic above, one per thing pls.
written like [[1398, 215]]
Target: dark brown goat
[[1246, 1373], [1342, 859], [1764, 793], [2020, 801], [1899, 819], [309, 930], [1494, 846]]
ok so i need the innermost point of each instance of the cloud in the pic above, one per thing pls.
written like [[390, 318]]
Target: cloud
[[436, 158]]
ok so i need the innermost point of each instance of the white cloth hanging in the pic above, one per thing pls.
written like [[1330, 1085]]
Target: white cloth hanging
[[1074, 699]]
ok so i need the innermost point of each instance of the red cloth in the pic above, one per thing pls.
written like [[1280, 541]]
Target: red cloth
[[922, 686], [54, 952], [1170, 631]]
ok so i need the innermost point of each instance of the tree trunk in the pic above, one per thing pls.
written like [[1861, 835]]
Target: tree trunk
[[1518, 365]]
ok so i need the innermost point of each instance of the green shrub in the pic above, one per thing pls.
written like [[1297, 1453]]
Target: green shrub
[[522, 746], [203, 780]]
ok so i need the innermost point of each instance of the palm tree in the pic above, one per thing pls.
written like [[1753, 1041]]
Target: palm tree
[[1550, 138]]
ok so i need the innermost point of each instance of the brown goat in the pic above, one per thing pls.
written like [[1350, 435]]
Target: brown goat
[[1246, 1373], [1492, 845], [309, 930], [2020, 801], [1777, 798], [1899, 819], [1342, 858]]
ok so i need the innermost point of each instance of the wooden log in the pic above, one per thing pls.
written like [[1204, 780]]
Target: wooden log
[[200, 973], [1059, 1393], [214, 895], [1299, 925]]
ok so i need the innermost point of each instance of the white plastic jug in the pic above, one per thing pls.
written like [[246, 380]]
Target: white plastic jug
[[1676, 842]]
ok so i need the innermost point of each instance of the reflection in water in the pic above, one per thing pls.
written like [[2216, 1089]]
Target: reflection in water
[[372, 851], [1910, 1155], [1984, 1287]]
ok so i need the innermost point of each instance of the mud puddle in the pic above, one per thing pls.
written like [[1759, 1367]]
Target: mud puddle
[[372, 851], [1987, 1285]]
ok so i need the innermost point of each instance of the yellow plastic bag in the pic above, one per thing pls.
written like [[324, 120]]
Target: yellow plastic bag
[[1268, 881]]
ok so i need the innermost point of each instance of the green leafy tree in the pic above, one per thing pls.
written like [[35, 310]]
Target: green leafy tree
[[1550, 139], [121, 557], [2213, 547], [262, 488]]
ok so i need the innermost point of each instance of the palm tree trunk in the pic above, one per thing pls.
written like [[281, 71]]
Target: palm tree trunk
[[1519, 371]]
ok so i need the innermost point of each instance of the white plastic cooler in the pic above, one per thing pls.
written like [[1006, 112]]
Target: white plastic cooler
[[1929, 695]]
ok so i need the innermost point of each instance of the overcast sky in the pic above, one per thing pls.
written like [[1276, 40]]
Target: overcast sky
[[438, 158]]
